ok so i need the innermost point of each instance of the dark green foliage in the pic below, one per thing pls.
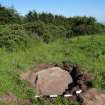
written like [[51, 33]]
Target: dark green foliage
[[31, 16], [9, 16], [85, 25], [71, 26], [45, 32], [42, 26]]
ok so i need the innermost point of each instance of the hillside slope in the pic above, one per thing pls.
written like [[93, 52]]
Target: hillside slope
[[87, 51]]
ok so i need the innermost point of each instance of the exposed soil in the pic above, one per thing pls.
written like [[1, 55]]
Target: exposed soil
[[92, 97]]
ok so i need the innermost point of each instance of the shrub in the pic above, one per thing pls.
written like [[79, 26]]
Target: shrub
[[11, 39]]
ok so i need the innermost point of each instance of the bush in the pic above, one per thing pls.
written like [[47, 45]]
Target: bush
[[13, 38]]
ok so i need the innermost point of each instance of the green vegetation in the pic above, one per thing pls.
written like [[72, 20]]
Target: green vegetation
[[48, 27], [9, 16], [88, 51], [46, 38]]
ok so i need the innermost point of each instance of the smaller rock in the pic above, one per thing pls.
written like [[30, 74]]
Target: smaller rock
[[87, 77], [73, 98], [67, 66], [10, 99], [92, 97], [82, 85]]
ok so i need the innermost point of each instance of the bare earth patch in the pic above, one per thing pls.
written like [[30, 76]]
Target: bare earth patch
[[93, 97]]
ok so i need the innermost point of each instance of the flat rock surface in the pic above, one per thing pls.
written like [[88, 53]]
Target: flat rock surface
[[49, 81]]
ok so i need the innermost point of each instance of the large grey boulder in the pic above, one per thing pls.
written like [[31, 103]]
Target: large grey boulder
[[49, 81]]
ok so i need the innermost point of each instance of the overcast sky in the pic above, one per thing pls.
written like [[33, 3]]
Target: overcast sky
[[95, 8]]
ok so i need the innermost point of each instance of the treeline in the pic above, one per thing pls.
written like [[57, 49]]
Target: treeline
[[43, 26]]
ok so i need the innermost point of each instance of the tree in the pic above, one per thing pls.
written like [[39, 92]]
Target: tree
[[31, 16], [9, 16]]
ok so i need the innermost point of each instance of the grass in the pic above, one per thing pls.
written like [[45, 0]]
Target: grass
[[87, 51]]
